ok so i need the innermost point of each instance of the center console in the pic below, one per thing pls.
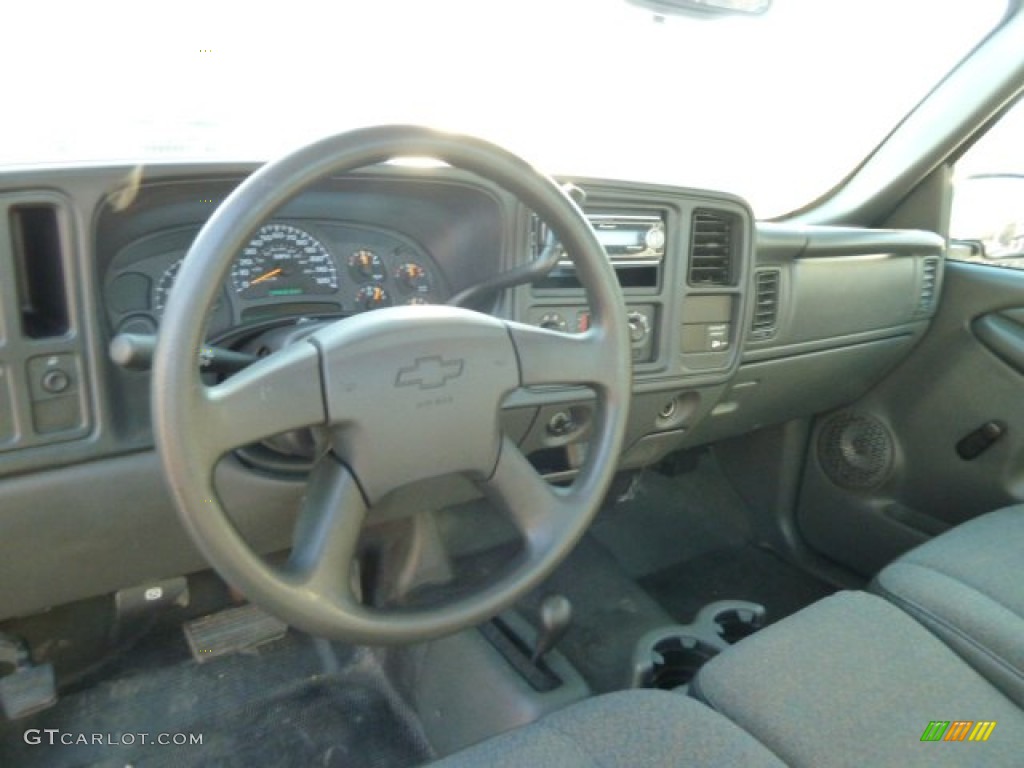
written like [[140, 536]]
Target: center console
[[683, 259], [635, 243]]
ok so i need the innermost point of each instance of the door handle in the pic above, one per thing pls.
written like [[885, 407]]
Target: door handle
[[1003, 336]]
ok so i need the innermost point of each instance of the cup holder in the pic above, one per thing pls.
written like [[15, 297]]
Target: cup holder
[[669, 657], [675, 661], [733, 625]]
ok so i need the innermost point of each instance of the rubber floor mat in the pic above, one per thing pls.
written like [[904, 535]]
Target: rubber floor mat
[[287, 703]]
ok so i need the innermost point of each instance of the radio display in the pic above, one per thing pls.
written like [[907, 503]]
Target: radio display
[[626, 236], [620, 237]]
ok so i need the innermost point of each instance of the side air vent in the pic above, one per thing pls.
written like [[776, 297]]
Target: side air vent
[[766, 304], [929, 287], [39, 267], [713, 244]]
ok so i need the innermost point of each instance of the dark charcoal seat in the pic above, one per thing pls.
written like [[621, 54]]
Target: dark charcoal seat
[[967, 586], [852, 680], [630, 729]]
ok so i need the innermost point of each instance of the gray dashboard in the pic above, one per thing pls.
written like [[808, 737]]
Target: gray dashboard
[[736, 325]]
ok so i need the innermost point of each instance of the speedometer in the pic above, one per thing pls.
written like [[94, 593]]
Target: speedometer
[[282, 260]]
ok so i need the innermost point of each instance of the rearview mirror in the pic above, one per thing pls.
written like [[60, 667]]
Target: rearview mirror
[[704, 8]]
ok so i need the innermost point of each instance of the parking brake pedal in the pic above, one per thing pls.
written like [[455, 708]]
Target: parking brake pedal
[[230, 631], [30, 687]]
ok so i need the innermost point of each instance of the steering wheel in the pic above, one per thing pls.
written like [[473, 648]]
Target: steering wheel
[[404, 393]]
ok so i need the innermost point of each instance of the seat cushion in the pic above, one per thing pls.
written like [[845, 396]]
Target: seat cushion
[[967, 586], [853, 681], [630, 729]]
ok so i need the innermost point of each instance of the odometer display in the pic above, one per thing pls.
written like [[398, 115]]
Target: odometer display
[[282, 260]]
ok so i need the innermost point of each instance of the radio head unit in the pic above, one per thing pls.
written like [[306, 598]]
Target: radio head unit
[[635, 244], [632, 237]]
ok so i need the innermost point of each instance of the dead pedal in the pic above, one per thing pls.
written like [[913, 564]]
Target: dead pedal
[[230, 631]]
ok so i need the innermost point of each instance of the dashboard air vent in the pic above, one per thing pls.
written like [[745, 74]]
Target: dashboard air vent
[[712, 248], [766, 304], [929, 286]]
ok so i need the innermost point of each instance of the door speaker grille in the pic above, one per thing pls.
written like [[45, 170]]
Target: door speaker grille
[[855, 451]]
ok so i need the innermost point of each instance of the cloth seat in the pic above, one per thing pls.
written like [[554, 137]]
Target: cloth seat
[[852, 680], [629, 729], [967, 586]]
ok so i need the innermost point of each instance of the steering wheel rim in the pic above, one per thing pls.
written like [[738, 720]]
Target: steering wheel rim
[[470, 361]]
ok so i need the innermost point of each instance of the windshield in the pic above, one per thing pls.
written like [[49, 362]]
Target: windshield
[[776, 108]]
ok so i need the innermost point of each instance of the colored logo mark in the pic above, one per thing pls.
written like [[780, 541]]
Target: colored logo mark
[[958, 730]]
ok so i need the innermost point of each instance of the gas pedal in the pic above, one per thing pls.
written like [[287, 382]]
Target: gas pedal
[[230, 631]]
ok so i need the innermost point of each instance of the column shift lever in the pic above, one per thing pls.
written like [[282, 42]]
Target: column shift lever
[[555, 615]]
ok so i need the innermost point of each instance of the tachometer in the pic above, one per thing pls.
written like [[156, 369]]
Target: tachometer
[[164, 285], [166, 282], [282, 260]]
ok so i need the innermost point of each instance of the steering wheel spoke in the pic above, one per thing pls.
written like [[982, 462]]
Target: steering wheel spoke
[[550, 357], [327, 533], [279, 393], [538, 510]]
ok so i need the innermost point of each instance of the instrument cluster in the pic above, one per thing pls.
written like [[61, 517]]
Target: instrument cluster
[[286, 269]]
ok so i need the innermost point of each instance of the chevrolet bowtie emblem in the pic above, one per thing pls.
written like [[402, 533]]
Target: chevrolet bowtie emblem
[[429, 373]]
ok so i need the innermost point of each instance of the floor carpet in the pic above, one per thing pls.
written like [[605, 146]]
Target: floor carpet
[[735, 573], [295, 701]]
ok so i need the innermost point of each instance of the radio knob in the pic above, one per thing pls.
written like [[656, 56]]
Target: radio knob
[[639, 326], [655, 238]]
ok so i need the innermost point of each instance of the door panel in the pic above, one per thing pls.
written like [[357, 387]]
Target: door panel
[[886, 474]]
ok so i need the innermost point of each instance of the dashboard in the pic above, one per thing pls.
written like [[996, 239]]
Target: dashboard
[[717, 305], [735, 325]]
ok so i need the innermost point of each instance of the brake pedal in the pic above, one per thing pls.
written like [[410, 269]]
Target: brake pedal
[[230, 631], [30, 687]]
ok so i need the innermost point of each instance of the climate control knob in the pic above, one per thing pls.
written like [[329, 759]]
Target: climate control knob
[[553, 321]]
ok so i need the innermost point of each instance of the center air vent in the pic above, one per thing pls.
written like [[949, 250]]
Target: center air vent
[[766, 304], [929, 284], [712, 248]]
